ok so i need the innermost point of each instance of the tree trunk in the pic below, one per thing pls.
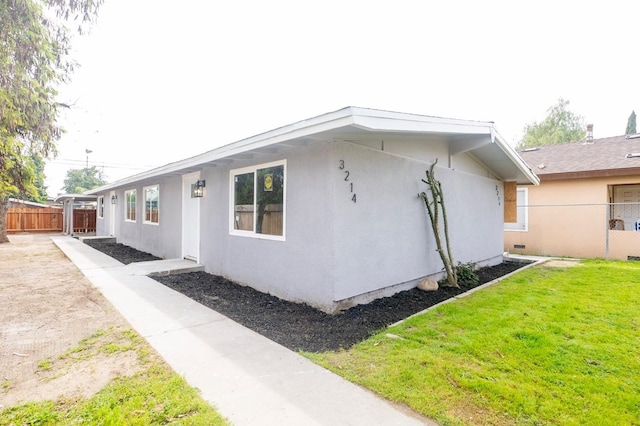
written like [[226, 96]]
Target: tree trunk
[[4, 209], [433, 209]]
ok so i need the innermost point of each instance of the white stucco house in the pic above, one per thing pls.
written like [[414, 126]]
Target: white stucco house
[[323, 211]]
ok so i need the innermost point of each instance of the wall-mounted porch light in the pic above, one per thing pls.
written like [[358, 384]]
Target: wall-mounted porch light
[[114, 199], [197, 189]]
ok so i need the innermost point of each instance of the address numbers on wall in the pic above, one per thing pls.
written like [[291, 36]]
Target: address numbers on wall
[[347, 178]]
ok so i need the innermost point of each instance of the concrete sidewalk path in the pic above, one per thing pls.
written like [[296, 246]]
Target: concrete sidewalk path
[[250, 379]]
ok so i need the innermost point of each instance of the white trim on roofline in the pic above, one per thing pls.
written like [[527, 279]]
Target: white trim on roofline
[[496, 137], [368, 119]]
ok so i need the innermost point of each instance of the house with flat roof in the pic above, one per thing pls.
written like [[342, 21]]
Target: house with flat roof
[[324, 211]]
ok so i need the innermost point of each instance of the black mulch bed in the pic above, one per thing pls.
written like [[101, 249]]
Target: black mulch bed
[[298, 326], [120, 252]]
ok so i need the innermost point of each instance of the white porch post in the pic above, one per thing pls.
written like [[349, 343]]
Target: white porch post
[[65, 217]]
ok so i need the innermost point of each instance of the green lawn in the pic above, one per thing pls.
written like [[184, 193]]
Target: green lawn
[[546, 346]]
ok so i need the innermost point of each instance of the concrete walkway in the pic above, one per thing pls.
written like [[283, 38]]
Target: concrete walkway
[[250, 379]]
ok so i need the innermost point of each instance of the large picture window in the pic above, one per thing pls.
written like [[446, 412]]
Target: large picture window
[[258, 201], [151, 204], [130, 205]]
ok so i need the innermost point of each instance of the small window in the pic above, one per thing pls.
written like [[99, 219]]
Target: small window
[[258, 201], [151, 204], [101, 207], [130, 205], [522, 212]]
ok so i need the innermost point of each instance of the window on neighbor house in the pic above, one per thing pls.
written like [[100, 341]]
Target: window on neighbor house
[[101, 207], [624, 212], [130, 205], [258, 201], [521, 223], [151, 204]]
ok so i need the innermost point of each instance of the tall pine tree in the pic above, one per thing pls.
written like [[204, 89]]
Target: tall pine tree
[[631, 124]]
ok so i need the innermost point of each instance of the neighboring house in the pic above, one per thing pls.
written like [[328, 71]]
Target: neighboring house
[[324, 211], [587, 203]]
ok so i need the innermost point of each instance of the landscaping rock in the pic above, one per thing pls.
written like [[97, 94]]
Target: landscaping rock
[[428, 284]]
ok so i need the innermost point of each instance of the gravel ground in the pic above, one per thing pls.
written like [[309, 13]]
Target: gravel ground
[[297, 326]]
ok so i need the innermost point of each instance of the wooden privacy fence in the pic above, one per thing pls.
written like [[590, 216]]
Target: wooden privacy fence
[[84, 220], [48, 219], [272, 219]]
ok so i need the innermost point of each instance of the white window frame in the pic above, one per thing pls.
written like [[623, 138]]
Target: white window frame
[[144, 192], [511, 227], [101, 207], [126, 202], [254, 170]]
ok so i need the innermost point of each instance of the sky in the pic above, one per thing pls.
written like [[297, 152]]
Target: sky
[[161, 80]]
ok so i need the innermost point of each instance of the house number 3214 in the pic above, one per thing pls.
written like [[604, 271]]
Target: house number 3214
[[346, 179]]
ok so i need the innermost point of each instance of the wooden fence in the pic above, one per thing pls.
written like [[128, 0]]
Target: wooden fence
[[84, 220], [272, 221], [48, 219]]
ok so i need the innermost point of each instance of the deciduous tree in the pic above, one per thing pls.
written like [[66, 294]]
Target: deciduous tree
[[81, 180], [34, 61], [559, 126]]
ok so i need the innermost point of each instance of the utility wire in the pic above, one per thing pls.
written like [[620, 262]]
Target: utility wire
[[72, 162]]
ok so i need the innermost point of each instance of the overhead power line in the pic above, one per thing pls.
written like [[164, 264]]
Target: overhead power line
[[83, 163]]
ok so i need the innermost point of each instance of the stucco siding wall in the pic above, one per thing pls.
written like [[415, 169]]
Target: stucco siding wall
[[299, 268], [384, 238], [162, 240], [428, 150]]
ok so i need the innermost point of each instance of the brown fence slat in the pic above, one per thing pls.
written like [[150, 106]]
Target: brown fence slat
[[46, 219], [84, 220]]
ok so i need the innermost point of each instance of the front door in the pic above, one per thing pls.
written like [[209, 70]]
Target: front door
[[190, 219]]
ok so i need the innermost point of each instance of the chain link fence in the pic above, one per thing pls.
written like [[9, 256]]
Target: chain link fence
[[608, 231]]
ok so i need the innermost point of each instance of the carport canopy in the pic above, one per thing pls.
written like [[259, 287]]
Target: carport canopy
[[67, 201]]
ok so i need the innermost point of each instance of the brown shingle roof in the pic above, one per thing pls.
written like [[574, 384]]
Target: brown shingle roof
[[603, 157]]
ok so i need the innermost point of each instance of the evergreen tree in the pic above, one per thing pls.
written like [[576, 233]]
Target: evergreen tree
[[631, 124]]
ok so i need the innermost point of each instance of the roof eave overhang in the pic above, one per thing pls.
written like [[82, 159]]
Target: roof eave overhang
[[512, 154], [304, 131], [74, 197], [631, 171]]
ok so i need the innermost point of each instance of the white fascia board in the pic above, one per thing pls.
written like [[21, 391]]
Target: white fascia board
[[514, 157], [376, 120], [329, 121], [76, 197]]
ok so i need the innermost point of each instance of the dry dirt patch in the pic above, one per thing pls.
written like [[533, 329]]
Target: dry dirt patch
[[48, 308], [558, 263]]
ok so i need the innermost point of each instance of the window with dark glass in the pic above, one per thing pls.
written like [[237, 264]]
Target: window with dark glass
[[258, 199]]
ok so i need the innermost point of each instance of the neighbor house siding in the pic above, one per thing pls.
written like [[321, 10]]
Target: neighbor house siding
[[569, 218]]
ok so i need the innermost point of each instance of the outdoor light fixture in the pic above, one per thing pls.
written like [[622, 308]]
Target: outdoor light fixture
[[198, 189], [114, 198]]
